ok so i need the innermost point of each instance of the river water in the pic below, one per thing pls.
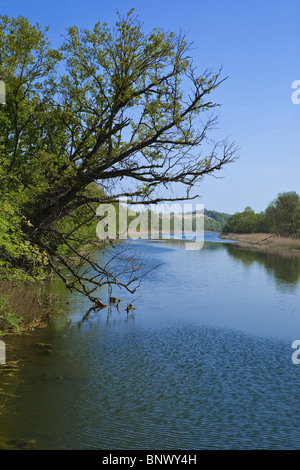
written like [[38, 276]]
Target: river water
[[204, 362]]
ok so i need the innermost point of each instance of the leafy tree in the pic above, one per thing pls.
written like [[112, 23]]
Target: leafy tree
[[242, 222], [283, 214], [262, 223], [111, 113]]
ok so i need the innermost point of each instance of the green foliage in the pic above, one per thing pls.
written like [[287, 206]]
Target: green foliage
[[215, 221], [79, 227], [112, 112], [8, 318], [282, 216], [242, 222], [20, 260]]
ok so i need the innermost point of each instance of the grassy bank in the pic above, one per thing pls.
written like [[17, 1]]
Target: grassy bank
[[24, 307], [266, 241]]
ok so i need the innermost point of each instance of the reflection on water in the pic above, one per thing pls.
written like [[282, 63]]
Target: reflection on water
[[203, 363], [285, 269]]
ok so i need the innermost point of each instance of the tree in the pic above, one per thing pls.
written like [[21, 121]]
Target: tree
[[242, 222], [111, 113], [283, 214]]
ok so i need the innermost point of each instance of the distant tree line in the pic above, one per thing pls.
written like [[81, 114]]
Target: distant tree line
[[282, 216]]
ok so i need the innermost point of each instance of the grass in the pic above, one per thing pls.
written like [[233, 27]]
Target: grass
[[266, 241], [28, 306]]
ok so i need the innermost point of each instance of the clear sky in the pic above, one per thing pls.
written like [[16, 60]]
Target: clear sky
[[257, 42]]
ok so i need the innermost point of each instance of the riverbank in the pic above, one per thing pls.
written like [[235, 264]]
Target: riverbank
[[26, 307], [266, 241]]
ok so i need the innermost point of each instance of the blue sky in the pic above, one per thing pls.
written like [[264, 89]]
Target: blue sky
[[257, 43]]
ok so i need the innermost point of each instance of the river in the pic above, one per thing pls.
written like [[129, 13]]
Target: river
[[203, 362]]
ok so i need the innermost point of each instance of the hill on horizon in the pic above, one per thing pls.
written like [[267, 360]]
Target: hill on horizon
[[214, 221]]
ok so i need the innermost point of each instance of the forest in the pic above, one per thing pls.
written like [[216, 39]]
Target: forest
[[281, 217]]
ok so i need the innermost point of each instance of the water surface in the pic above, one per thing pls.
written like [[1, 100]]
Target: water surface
[[204, 362]]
